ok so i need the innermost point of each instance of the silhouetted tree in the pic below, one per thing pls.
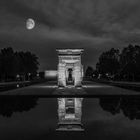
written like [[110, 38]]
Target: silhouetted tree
[[16, 104], [111, 104], [130, 106], [89, 71], [28, 63], [13, 63], [130, 63], [7, 63], [108, 62]]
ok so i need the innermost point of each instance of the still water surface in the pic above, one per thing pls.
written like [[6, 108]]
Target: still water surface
[[116, 118]]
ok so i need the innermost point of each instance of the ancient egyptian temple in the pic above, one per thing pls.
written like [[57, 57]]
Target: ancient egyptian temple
[[70, 69], [69, 114]]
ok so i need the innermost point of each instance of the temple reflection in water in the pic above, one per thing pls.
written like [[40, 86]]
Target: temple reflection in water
[[69, 114]]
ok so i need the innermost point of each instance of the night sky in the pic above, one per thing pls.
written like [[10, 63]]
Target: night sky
[[95, 25]]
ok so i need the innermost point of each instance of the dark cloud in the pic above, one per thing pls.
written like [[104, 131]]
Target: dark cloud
[[94, 25]]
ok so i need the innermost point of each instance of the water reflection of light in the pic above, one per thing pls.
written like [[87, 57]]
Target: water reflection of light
[[79, 87], [47, 86], [96, 86], [61, 87], [70, 86]]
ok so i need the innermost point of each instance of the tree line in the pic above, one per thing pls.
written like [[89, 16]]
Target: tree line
[[118, 65], [129, 106], [17, 65]]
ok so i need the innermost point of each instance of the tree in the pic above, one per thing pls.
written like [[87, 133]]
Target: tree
[[89, 71], [27, 63], [7, 63], [122, 66], [17, 63], [108, 62], [137, 70], [130, 62], [129, 106], [16, 104]]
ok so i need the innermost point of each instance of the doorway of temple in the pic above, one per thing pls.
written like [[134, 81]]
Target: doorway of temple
[[70, 80], [70, 108]]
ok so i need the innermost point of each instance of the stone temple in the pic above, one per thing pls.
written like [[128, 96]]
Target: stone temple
[[70, 69], [69, 114]]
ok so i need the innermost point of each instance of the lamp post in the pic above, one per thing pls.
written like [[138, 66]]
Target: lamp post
[[29, 74]]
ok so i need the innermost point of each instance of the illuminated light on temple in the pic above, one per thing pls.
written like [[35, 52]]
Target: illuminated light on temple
[[70, 69], [69, 114]]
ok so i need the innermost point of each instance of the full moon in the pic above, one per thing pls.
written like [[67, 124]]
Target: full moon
[[30, 24]]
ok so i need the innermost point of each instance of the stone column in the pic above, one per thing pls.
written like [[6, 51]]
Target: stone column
[[78, 74], [61, 75], [78, 108], [61, 109]]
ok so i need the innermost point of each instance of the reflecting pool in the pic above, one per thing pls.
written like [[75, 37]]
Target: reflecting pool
[[93, 118]]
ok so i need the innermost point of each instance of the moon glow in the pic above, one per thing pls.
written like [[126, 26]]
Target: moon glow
[[30, 24]]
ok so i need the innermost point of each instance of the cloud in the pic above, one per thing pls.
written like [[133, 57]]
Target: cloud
[[94, 25], [89, 16]]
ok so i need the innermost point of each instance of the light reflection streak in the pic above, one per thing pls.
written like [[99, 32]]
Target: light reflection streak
[[96, 86], [46, 86]]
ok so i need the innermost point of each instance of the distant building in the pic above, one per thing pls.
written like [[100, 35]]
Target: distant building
[[70, 69], [50, 74]]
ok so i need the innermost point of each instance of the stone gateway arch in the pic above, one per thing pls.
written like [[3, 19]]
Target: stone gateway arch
[[70, 69], [70, 114]]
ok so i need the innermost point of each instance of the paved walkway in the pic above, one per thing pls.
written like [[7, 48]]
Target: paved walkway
[[88, 89], [11, 83]]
